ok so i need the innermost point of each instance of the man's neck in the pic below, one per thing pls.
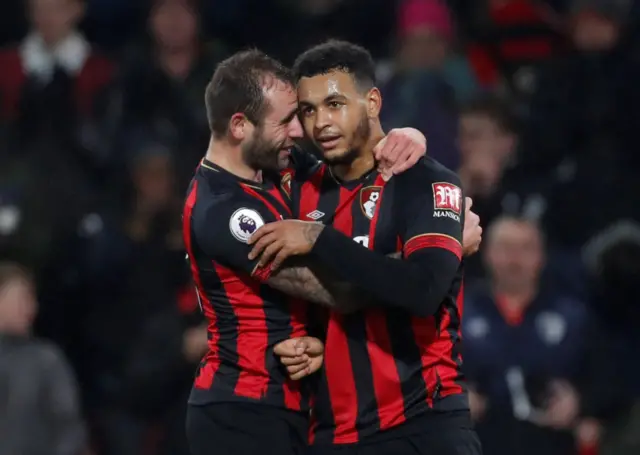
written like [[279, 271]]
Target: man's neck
[[229, 157], [14, 331], [516, 298], [177, 62], [364, 162], [51, 45], [467, 181]]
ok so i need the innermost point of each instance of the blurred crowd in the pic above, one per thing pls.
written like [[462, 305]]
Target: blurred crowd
[[536, 104]]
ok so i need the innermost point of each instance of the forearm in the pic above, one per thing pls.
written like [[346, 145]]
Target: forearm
[[418, 285], [298, 277]]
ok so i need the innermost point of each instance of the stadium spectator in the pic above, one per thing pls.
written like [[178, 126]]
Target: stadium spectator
[[427, 39], [121, 267], [583, 125], [158, 386], [40, 410], [508, 40], [53, 77], [426, 80], [488, 137], [526, 348], [163, 80], [613, 261], [51, 88]]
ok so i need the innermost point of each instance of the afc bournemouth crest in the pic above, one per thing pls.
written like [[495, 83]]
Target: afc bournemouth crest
[[285, 184], [369, 198]]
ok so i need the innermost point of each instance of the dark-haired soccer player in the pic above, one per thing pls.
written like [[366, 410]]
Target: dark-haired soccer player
[[242, 401], [392, 380]]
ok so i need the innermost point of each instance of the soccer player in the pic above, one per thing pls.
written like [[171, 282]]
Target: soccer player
[[242, 401], [391, 381]]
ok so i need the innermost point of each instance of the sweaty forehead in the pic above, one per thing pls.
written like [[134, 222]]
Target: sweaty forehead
[[316, 88]]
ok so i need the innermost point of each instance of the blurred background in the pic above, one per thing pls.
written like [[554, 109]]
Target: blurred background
[[535, 103]]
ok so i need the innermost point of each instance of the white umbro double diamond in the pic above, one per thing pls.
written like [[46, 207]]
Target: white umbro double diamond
[[315, 215]]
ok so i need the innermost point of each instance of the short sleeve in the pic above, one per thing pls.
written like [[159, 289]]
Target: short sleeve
[[434, 213], [223, 228]]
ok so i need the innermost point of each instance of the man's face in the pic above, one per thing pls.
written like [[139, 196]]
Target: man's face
[[594, 33], [55, 19], [269, 147], [485, 149], [174, 25], [18, 307], [154, 181], [423, 49], [334, 115], [514, 254]]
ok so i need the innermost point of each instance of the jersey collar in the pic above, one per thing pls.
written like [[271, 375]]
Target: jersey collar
[[207, 166]]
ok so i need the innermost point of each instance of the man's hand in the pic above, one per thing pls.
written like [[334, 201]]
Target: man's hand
[[588, 433], [301, 356], [283, 239], [562, 408], [472, 233], [399, 150], [195, 343], [477, 404]]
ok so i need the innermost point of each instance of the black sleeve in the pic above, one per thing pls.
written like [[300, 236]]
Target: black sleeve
[[223, 227], [317, 322], [303, 159], [431, 216]]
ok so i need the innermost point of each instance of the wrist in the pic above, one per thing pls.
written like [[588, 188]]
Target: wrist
[[323, 238], [312, 232]]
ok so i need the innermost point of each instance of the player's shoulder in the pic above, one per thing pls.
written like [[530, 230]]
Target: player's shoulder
[[303, 175], [215, 194], [223, 209], [426, 173]]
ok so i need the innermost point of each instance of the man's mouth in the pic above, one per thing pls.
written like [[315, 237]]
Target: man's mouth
[[329, 142], [285, 152]]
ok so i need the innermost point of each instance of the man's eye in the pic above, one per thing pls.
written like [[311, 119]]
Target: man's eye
[[334, 104], [307, 111]]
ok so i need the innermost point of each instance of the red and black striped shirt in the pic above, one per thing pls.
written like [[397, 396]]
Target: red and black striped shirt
[[386, 366], [245, 317]]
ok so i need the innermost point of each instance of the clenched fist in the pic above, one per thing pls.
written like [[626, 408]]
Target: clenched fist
[[301, 356]]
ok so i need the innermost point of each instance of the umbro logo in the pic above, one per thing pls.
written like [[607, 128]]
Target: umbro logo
[[315, 215]]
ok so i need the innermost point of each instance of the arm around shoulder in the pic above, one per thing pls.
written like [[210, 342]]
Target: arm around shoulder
[[430, 212]]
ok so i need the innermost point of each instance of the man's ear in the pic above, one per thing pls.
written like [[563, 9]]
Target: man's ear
[[239, 126], [374, 102]]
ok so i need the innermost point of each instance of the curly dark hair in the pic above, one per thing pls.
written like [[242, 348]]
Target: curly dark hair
[[335, 55]]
